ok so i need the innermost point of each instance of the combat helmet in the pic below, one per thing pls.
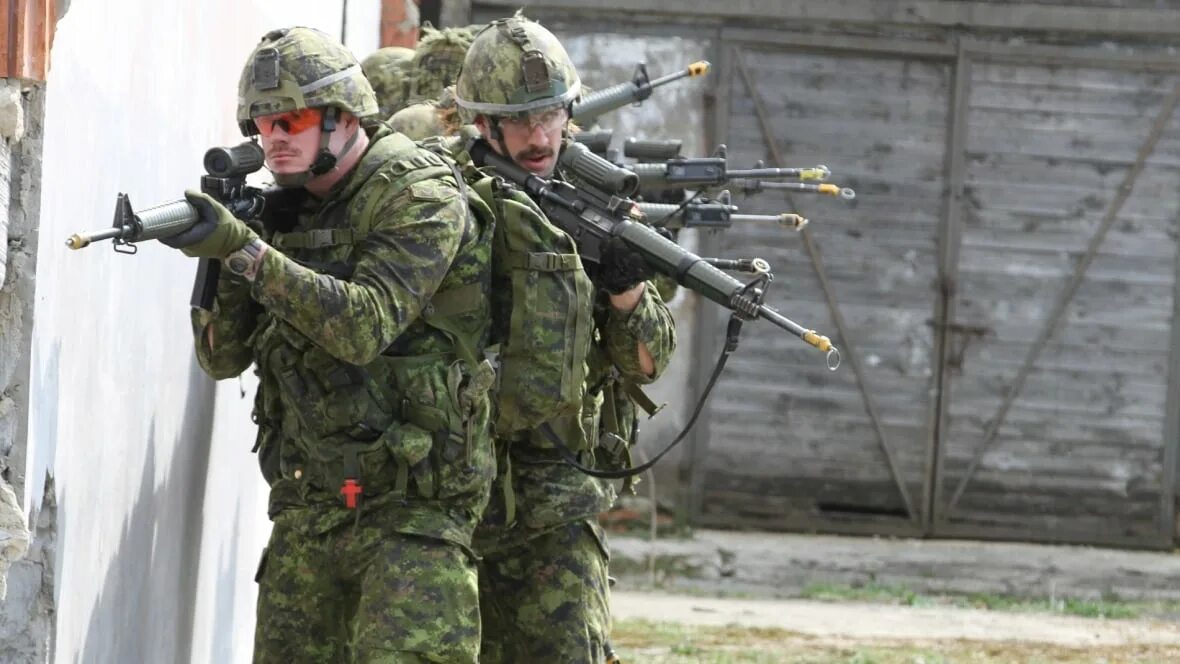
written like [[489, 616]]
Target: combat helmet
[[438, 58], [515, 67], [388, 71], [297, 68]]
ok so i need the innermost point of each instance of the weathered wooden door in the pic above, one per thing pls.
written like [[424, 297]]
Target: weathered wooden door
[[1058, 411], [790, 444], [1004, 289]]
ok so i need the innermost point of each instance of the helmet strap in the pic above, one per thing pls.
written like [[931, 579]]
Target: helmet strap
[[324, 159], [497, 134]]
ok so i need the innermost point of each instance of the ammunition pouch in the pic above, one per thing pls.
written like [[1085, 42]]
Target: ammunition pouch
[[404, 424]]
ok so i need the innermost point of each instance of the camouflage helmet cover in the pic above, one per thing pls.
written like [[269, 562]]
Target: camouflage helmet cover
[[515, 66], [388, 71], [437, 61], [293, 68]]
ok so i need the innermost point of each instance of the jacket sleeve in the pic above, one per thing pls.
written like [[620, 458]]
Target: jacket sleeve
[[220, 336], [649, 323], [415, 236]]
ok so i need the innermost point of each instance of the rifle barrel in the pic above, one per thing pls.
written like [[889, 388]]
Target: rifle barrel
[[616, 96], [85, 238], [827, 189], [818, 173], [788, 219]]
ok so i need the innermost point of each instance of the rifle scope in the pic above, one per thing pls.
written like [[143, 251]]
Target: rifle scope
[[598, 172], [597, 140], [238, 161], [651, 150]]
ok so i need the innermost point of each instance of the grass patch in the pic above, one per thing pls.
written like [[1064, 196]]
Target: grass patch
[[1110, 608], [656, 642]]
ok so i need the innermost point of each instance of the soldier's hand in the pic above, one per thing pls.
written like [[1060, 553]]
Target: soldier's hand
[[217, 233], [621, 268]]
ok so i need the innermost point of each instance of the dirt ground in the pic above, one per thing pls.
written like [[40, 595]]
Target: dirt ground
[[655, 627]]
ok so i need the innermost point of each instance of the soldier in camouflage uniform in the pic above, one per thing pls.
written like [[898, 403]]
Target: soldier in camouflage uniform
[[436, 64], [388, 71], [567, 332], [364, 302]]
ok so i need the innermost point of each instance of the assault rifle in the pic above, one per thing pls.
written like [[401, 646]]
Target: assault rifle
[[597, 210], [676, 172], [636, 90], [659, 165], [594, 212], [586, 165], [225, 181], [705, 213], [227, 169]]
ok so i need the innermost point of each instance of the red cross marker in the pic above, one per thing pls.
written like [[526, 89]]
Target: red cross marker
[[350, 491]]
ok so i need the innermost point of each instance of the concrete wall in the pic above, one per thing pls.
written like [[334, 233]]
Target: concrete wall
[[156, 506], [26, 587], [672, 112]]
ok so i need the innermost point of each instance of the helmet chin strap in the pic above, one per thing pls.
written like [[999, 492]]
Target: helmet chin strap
[[497, 134], [324, 160]]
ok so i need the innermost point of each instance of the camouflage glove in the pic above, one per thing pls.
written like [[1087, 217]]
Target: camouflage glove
[[217, 233], [621, 268]]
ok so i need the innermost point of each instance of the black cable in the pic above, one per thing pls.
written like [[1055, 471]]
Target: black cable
[[567, 455]]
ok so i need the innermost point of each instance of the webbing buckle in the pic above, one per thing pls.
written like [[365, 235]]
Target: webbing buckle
[[319, 237]]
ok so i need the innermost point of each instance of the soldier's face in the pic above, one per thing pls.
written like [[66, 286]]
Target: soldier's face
[[533, 142], [290, 140]]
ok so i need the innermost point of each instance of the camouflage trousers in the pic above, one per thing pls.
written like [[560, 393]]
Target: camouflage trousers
[[546, 599], [365, 595]]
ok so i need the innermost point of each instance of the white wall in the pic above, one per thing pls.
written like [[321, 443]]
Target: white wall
[[161, 508]]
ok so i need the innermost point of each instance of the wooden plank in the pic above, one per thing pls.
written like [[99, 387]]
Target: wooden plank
[[804, 493], [28, 27], [1053, 396], [1047, 80], [1120, 429], [1123, 57], [10, 49], [1171, 434], [707, 344], [810, 523], [1020, 462], [1051, 199], [909, 49], [843, 335], [949, 242], [925, 13]]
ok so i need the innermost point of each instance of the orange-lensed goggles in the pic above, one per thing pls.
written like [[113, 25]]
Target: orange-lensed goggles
[[291, 122]]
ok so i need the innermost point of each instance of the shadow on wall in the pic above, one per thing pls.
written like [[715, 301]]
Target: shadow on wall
[[144, 612], [48, 371], [222, 649]]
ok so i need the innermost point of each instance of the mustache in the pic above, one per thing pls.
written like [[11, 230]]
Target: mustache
[[534, 153], [282, 147]]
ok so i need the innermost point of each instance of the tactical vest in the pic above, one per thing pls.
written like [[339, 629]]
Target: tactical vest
[[542, 309], [415, 425], [546, 329]]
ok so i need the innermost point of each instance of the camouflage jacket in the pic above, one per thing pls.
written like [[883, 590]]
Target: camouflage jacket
[[348, 307]]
